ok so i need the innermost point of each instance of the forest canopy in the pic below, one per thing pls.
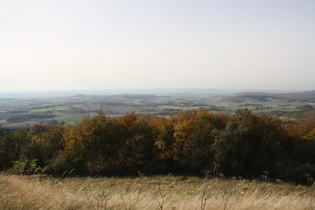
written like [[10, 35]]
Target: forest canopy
[[189, 143]]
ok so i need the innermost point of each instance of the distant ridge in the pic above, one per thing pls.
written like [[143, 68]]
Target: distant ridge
[[302, 96], [79, 96], [305, 96]]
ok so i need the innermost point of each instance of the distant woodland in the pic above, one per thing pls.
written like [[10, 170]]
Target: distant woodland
[[191, 142]]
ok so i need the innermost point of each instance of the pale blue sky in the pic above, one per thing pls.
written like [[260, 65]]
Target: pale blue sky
[[99, 44]]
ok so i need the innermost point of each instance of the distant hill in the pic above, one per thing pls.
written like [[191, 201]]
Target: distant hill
[[302, 96], [306, 96], [80, 96]]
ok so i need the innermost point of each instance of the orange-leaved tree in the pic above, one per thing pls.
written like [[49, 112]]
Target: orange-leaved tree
[[193, 144], [92, 145]]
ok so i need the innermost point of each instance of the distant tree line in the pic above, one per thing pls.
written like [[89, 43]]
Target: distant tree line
[[27, 117], [189, 143]]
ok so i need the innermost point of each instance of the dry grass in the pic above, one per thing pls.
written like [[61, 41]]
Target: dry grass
[[160, 192]]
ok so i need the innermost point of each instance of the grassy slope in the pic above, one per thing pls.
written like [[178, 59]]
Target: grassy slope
[[169, 192]]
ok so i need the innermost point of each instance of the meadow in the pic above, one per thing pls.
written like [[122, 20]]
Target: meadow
[[157, 192]]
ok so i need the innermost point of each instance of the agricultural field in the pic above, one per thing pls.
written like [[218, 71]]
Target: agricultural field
[[157, 192], [24, 112]]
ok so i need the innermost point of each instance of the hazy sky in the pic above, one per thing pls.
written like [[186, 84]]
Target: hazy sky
[[102, 44]]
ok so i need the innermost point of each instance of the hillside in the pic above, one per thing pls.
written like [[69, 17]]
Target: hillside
[[306, 96]]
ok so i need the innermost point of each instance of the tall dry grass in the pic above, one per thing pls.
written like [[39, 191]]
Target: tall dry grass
[[159, 192]]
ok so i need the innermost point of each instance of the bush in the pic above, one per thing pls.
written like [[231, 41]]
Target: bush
[[28, 167]]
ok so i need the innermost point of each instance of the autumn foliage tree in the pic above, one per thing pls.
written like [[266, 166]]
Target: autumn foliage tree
[[92, 145], [45, 142], [164, 142], [193, 145], [136, 152], [244, 144], [301, 144]]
